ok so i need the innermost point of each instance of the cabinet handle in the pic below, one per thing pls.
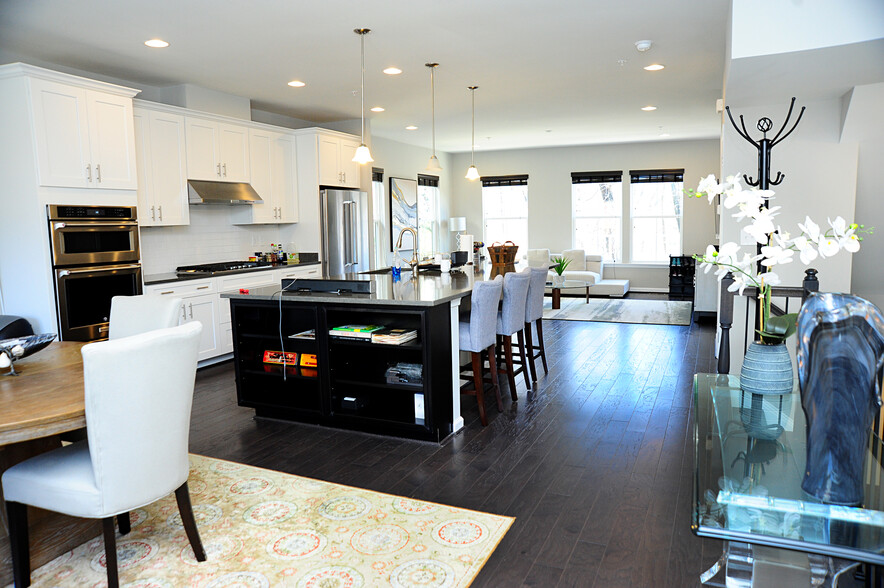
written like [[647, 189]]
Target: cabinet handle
[[160, 208], [152, 217], [191, 309], [183, 313], [201, 288], [169, 292], [219, 170], [89, 172], [345, 176], [98, 172], [224, 167]]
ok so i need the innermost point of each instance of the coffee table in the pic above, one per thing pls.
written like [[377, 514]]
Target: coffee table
[[557, 290]]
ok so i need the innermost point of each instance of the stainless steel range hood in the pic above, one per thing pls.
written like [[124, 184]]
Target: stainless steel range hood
[[202, 192]]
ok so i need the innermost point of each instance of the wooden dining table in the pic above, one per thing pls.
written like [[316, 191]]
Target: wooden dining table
[[44, 400]]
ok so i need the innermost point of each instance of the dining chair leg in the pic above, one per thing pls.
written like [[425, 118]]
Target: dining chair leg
[[124, 523], [530, 345], [480, 386], [182, 496], [539, 324], [17, 515], [520, 336], [110, 552], [492, 364], [508, 355]]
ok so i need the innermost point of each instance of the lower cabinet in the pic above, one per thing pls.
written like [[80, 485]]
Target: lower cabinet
[[204, 309]]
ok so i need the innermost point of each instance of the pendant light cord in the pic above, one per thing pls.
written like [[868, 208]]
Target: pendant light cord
[[433, 92], [362, 93], [473, 139]]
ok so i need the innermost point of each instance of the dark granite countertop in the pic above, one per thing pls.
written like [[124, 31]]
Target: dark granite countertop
[[427, 289], [152, 279]]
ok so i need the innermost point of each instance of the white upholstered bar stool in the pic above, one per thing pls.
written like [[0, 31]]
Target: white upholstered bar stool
[[133, 315], [138, 392], [511, 321], [534, 316], [477, 337]]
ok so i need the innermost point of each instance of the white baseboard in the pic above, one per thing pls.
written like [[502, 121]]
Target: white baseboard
[[651, 290]]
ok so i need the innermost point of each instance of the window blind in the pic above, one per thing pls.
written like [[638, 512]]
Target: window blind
[[377, 174], [601, 177], [518, 180], [647, 176], [423, 180]]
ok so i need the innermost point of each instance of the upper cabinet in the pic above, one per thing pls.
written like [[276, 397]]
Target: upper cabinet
[[162, 168], [217, 151], [85, 138], [274, 177], [335, 160]]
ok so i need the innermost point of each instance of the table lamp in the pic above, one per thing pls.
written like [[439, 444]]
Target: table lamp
[[457, 224]]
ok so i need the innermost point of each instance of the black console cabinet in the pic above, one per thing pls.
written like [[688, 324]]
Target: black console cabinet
[[348, 387], [681, 277]]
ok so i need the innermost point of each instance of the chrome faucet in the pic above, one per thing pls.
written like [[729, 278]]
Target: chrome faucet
[[414, 260]]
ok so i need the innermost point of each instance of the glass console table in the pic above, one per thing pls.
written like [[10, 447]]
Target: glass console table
[[749, 463]]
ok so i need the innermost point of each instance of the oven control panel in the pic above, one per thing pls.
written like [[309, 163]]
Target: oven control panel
[[59, 212]]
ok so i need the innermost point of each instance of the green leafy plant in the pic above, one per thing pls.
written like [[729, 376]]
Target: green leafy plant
[[560, 264]]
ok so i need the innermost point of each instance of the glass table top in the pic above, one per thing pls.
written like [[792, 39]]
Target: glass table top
[[749, 463]]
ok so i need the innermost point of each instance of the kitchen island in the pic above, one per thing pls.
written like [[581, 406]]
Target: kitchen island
[[344, 381]]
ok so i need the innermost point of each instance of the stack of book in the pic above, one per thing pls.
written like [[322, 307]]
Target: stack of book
[[393, 336], [355, 331]]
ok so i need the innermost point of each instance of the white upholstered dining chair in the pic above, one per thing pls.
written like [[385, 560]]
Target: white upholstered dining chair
[[138, 395], [133, 315]]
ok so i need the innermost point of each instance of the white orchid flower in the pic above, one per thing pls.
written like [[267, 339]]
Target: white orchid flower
[[760, 231], [829, 246], [769, 279], [839, 226], [710, 186], [806, 250], [781, 237], [810, 228], [850, 243], [775, 255]]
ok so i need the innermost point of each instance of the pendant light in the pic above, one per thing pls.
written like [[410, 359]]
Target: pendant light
[[433, 164], [472, 172], [363, 155]]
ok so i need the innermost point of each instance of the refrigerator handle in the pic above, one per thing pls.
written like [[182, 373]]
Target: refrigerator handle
[[354, 227], [323, 198], [348, 232]]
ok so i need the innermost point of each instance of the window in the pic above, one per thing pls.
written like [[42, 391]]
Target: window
[[378, 208], [505, 209], [427, 214], [597, 209], [656, 211]]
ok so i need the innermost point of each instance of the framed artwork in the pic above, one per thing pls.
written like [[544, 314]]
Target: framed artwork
[[403, 213]]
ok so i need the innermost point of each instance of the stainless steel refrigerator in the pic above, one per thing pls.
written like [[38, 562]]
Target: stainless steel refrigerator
[[344, 216]]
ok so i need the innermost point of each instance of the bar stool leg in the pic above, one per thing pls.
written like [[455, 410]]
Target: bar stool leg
[[480, 386], [531, 356], [539, 324], [493, 365], [521, 338], [508, 354]]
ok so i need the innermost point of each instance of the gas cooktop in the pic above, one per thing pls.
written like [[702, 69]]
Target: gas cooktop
[[224, 266]]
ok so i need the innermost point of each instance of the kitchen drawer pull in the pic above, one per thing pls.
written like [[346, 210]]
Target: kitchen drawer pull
[[167, 292], [202, 287]]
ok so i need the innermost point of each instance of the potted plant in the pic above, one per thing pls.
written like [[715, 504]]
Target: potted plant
[[559, 265], [767, 367]]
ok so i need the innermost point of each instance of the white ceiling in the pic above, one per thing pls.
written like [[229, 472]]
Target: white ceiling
[[548, 72]]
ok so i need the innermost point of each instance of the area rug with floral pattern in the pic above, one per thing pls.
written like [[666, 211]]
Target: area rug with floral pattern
[[262, 528]]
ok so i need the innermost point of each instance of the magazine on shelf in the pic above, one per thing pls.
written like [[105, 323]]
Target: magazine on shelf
[[355, 331], [308, 334], [394, 336]]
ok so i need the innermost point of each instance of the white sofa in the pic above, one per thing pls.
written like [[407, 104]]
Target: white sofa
[[584, 267]]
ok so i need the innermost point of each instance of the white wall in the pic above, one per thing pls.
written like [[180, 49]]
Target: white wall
[[549, 191]]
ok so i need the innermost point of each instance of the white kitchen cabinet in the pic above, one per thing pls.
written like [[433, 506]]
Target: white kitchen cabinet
[[274, 177], [334, 154], [162, 168], [217, 151], [85, 138], [307, 271], [235, 283], [200, 303]]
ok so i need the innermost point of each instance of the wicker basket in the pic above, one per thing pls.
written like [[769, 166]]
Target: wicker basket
[[503, 257]]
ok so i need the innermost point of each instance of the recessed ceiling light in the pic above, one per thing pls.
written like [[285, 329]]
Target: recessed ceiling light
[[156, 43], [377, 109], [297, 84], [664, 134], [654, 67], [411, 128], [649, 108], [392, 71], [643, 45]]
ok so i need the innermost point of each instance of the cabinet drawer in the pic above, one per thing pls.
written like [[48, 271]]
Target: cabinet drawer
[[260, 278], [188, 288], [310, 271]]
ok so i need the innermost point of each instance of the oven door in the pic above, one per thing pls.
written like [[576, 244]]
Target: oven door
[[82, 242], [84, 298]]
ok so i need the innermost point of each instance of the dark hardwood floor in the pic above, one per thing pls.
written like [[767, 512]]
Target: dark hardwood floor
[[596, 464]]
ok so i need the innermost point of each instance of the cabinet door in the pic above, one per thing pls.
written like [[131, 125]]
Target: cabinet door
[[147, 213], [285, 178], [329, 161], [261, 146], [168, 164], [111, 140], [203, 159], [234, 145], [205, 310], [350, 170], [62, 134]]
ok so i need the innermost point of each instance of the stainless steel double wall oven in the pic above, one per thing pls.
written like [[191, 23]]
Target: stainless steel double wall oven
[[95, 256]]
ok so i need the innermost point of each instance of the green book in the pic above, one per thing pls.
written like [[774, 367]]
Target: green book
[[358, 331]]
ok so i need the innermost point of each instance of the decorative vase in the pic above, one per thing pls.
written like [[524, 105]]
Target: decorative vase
[[840, 357], [767, 369], [558, 280]]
